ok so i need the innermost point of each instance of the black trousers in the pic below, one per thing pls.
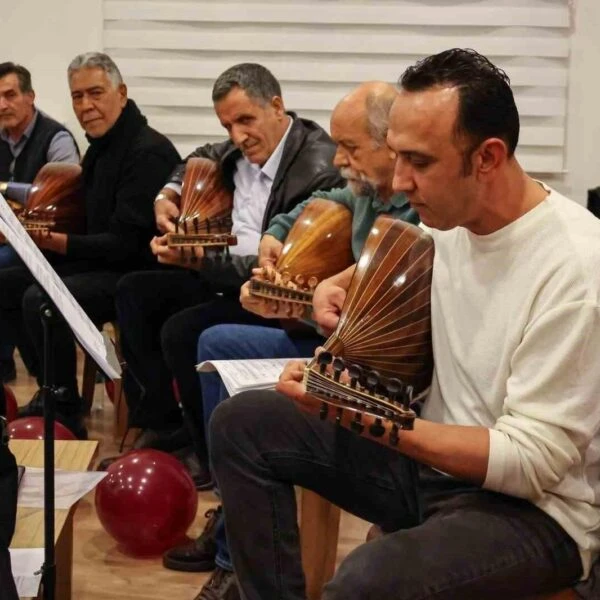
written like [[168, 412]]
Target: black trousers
[[20, 322], [161, 315], [445, 540]]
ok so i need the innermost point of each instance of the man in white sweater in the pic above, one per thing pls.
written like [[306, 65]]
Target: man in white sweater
[[495, 493]]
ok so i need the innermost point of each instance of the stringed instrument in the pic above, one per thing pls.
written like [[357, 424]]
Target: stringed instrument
[[318, 246], [206, 205], [55, 201], [381, 351]]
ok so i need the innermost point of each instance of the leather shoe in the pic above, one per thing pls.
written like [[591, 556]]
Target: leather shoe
[[198, 555], [221, 586]]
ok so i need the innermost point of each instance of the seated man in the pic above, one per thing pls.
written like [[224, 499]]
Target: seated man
[[8, 505], [124, 167], [29, 139], [359, 126], [493, 494], [273, 160]]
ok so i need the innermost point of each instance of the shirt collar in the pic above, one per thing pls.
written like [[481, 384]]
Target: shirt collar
[[270, 168], [26, 134]]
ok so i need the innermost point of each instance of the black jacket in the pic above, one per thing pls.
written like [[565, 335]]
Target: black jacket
[[122, 173], [306, 166]]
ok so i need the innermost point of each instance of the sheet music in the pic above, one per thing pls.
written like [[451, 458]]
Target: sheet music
[[242, 375], [85, 331], [25, 562]]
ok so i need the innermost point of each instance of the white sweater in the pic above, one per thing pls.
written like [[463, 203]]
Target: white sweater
[[516, 340]]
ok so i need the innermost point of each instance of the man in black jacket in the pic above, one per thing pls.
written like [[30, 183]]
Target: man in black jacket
[[123, 169], [272, 161], [8, 506]]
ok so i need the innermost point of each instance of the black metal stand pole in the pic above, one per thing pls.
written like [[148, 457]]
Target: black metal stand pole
[[49, 316]]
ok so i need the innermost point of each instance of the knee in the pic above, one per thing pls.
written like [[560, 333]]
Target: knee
[[33, 299], [357, 577], [127, 288], [216, 343]]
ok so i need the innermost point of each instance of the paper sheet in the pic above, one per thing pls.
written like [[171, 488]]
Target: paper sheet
[[85, 331], [24, 563], [70, 486], [241, 375]]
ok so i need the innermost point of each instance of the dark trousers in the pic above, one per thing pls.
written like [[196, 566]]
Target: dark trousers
[[20, 322], [446, 540], [161, 314], [8, 510]]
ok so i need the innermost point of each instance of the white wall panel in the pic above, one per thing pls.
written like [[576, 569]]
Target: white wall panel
[[171, 52]]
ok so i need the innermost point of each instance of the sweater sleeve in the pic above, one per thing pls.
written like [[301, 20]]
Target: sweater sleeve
[[132, 222], [552, 407]]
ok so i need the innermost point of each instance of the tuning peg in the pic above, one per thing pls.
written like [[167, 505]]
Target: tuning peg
[[356, 424], [355, 372], [196, 227], [338, 368], [324, 411], [372, 381], [394, 435], [312, 283], [377, 429], [299, 280], [408, 397], [394, 388], [185, 228], [324, 359]]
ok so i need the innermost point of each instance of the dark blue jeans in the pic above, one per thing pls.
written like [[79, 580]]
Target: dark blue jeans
[[230, 342], [446, 540]]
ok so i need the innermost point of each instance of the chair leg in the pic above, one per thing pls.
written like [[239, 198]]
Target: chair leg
[[319, 532], [88, 384]]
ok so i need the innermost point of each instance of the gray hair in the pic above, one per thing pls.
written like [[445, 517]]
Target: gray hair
[[257, 81], [92, 60], [378, 107]]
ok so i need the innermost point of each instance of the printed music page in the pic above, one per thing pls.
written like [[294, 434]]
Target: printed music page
[[85, 331], [242, 375]]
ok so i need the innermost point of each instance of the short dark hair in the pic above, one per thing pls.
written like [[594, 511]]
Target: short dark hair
[[23, 75], [486, 103], [257, 81]]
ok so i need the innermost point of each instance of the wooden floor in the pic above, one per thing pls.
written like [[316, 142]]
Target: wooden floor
[[101, 572]]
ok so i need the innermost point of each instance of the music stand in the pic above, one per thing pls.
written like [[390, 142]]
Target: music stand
[[60, 303]]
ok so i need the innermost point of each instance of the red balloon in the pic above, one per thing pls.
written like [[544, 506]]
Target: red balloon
[[32, 428], [11, 404], [146, 502]]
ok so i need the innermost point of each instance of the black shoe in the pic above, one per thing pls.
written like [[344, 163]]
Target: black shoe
[[199, 555], [69, 411], [198, 469], [221, 586], [8, 371], [167, 440]]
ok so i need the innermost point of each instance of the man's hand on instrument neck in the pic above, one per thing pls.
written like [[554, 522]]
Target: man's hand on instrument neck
[[290, 384], [166, 210], [268, 309], [175, 256]]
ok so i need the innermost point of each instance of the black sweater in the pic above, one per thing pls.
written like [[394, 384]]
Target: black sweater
[[122, 173]]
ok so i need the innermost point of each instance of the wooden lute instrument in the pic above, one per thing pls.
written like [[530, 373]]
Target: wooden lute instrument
[[55, 202], [205, 211], [381, 352], [318, 245]]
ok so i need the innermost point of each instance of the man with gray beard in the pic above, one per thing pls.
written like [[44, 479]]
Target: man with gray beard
[[359, 126]]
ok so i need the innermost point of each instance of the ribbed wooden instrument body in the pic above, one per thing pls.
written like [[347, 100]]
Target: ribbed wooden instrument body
[[55, 202], [206, 205], [318, 245], [385, 324]]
